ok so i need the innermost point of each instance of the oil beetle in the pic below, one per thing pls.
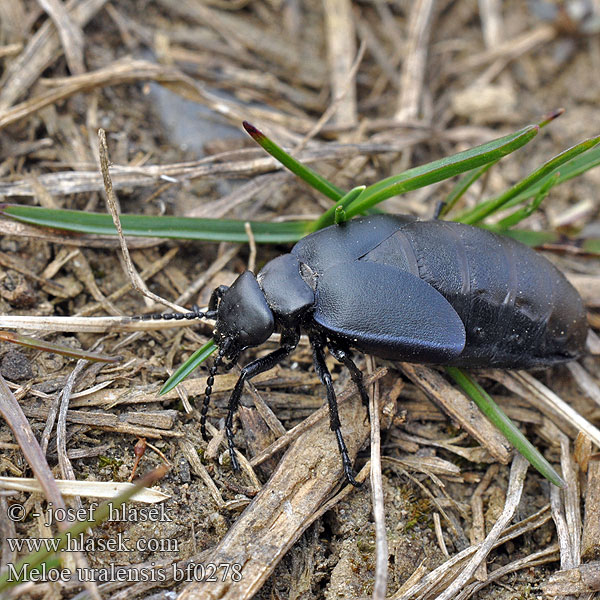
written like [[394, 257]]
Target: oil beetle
[[401, 289]]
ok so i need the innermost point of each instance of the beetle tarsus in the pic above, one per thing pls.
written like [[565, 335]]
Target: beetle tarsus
[[235, 465], [346, 462]]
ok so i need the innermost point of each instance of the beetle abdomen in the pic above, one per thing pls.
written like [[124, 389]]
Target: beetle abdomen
[[517, 308]]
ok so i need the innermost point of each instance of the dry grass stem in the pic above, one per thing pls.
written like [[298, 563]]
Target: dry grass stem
[[549, 403], [71, 35], [513, 497], [136, 281], [88, 489], [460, 409], [436, 580], [341, 48], [439, 534], [585, 381], [413, 69], [565, 509], [41, 51], [16, 420], [347, 88], [590, 541], [85, 324], [477, 532], [381, 568], [542, 557]]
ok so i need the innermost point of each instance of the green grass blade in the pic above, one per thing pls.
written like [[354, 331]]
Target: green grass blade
[[493, 412], [438, 171], [489, 207], [525, 211], [339, 210], [575, 167], [534, 239], [554, 114], [351, 196], [188, 366], [185, 228], [340, 215], [305, 173], [462, 186], [45, 346], [591, 245]]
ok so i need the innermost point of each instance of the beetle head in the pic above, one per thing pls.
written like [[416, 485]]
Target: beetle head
[[244, 318]]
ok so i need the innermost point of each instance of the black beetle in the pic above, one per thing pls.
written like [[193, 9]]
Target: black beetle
[[419, 291]]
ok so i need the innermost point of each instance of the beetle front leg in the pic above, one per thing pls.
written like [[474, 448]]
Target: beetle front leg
[[334, 418], [289, 341], [356, 375]]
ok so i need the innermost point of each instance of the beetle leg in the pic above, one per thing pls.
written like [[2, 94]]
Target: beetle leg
[[356, 375], [289, 341], [334, 418], [438, 209]]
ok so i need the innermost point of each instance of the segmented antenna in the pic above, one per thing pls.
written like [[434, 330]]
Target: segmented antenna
[[195, 313], [210, 380]]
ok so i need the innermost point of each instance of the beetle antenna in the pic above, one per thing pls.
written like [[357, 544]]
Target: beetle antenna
[[210, 380], [195, 313]]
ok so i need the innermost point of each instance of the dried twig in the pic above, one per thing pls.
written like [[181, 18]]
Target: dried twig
[[413, 70], [460, 409], [590, 541], [13, 415], [545, 400], [381, 569], [341, 48], [136, 281], [71, 35], [513, 497]]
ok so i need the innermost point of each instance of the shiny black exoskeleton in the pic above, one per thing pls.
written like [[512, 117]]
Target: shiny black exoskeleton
[[420, 291]]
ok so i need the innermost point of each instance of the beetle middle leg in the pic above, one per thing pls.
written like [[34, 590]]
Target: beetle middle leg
[[289, 341], [334, 418], [440, 206], [341, 355]]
